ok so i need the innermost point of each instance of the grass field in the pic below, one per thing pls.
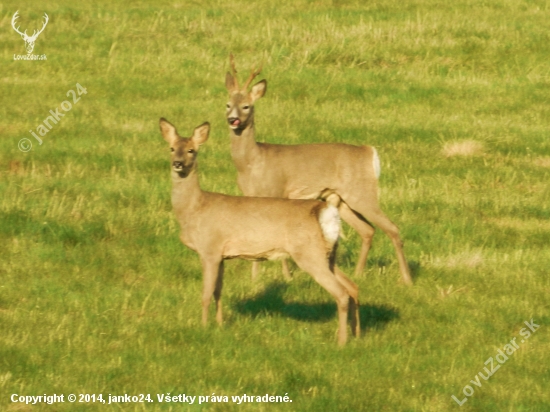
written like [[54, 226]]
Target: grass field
[[98, 295]]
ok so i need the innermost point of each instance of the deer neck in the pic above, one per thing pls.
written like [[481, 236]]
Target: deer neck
[[244, 149], [186, 193]]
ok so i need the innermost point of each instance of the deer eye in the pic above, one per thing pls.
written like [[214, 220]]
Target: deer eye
[[227, 106], [246, 107], [191, 151], [171, 149]]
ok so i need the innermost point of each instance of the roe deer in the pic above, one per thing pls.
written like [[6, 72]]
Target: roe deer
[[220, 227], [308, 171]]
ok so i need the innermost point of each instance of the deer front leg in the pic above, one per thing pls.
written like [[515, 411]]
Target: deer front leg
[[255, 270], [210, 273], [286, 270], [218, 294]]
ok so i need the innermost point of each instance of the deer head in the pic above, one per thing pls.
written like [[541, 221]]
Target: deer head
[[29, 40], [184, 150], [240, 107]]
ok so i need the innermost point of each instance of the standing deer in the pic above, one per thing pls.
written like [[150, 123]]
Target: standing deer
[[29, 40], [220, 227], [308, 171]]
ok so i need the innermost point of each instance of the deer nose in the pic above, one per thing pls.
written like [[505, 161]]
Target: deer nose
[[233, 121], [178, 165]]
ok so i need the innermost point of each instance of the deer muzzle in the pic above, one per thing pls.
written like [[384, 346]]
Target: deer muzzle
[[234, 122], [177, 166]]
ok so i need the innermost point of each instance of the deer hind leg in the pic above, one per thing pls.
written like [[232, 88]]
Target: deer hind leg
[[371, 212], [316, 265], [351, 288], [364, 229], [384, 223], [353, 291], [211, 269]]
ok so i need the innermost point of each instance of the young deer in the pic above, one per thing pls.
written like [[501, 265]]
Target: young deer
[[220, 227], [308, 171]]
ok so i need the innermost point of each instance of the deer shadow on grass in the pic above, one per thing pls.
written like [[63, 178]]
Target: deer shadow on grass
[[271, 301]]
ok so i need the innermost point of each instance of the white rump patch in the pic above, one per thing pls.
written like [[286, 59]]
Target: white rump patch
[[329, 218], [376, 163]]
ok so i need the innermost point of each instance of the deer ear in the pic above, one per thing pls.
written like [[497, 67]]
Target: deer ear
[[258, 90], [200, 135], [230, 82], [169, 132]]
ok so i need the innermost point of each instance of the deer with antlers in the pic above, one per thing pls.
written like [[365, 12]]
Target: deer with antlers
[[29, 40], [308, 171], [220, 227]]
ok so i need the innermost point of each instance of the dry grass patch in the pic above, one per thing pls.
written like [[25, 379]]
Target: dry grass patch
[[529, 225], [543, 161], [469, 260], [463, 148]]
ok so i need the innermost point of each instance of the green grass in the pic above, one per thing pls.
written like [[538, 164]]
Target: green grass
[[97, 294]]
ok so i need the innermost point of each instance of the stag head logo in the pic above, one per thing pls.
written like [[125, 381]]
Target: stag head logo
[[29, 40]]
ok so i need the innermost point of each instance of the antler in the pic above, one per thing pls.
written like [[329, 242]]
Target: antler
[[253, 74], [13, 19], [233, 70]]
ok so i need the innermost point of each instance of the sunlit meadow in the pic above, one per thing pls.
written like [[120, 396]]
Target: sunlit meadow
[[98, 295]]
